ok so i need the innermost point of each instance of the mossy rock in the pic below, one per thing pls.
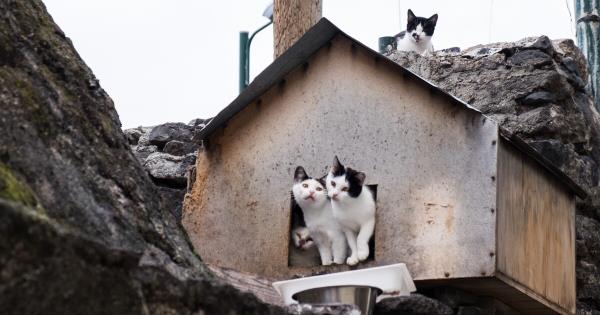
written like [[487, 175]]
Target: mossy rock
[[13, 189]]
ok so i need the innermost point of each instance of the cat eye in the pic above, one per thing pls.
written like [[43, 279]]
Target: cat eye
[[319, 188], [333, 183], [305, 185], [345, 189]]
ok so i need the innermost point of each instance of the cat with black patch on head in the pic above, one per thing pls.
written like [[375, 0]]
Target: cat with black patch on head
[[353, 206], [418, 33], [310, 195]]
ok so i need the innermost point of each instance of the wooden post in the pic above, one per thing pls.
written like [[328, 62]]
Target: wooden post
[[588, 40], [291, 19]]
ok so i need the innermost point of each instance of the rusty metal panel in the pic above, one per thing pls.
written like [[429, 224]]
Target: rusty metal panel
[[536, 230], [434, 163]]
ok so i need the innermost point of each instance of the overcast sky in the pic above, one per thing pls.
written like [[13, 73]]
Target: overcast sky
[[175, 60]]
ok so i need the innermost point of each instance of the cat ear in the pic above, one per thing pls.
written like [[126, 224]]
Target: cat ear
[[411, 16], [360, 178], [300, 174], [322, 180], [433, 19], [336, 167]]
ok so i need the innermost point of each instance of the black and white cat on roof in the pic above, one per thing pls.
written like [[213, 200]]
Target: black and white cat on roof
[[418, 33]]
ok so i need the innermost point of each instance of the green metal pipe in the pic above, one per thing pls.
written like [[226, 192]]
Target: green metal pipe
[[245, 56], [243, 60], [588, 40], [247, 78]]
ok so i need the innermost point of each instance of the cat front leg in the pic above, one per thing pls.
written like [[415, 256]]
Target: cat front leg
[[325, 253], [324, 247], [362, 241], [351, 238], [338, 247]]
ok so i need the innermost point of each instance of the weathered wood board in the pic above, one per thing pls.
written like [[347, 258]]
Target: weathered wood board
[[536, 228]]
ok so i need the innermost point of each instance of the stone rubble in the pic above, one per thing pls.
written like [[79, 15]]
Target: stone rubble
[[168, 153]]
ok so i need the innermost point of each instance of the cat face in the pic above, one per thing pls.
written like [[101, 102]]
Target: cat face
[[420, 29], [308, 191], [302, 239], [343, 182]]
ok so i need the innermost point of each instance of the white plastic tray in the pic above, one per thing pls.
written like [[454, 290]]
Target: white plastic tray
[[389, 279]]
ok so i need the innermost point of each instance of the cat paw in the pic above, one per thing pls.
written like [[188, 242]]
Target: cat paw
[[326, 262], [339, 261], [363, 254], [352, 260]]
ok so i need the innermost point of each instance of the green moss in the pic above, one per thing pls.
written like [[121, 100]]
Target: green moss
[[13, 189]]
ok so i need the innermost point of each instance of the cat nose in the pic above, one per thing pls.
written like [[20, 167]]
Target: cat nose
[[415, 35]]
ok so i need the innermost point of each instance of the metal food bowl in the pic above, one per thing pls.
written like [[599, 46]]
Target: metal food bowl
[[361, 296]]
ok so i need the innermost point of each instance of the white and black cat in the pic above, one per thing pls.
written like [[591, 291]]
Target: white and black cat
[[301, 238], [323, 229], [353, 207], [417, 36]]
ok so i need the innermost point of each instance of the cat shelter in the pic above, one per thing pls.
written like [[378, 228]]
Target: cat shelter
[[459, 200]]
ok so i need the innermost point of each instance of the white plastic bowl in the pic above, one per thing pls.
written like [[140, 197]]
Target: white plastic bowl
[[389, 279]]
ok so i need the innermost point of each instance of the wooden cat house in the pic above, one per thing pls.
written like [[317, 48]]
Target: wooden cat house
[[460, 201]]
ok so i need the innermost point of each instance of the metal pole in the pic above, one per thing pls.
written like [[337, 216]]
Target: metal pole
[[248, 51], [243, 60], [588, 39], [245, 56]]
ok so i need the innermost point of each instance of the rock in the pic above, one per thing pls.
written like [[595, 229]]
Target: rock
[[175, 147], [199, 122], [538, 98], [144, 139], [471, 310], [582, 169], [543, 43], [533, 58], [451, 50], [307, 309], [142, 152], [172, 200], [83, 228], [415, 304], [463, 302], [541, 121], [452, 297], [169, 169], [588, 260], [164, 133], [133, 135], [571, 65]]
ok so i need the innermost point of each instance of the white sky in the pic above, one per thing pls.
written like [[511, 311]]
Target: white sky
[[175, 60]]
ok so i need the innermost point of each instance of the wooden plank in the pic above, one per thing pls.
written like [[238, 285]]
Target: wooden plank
[[535, 229], [245, 282]]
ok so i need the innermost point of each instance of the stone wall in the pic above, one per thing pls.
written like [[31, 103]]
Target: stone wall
[[168, 153]]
